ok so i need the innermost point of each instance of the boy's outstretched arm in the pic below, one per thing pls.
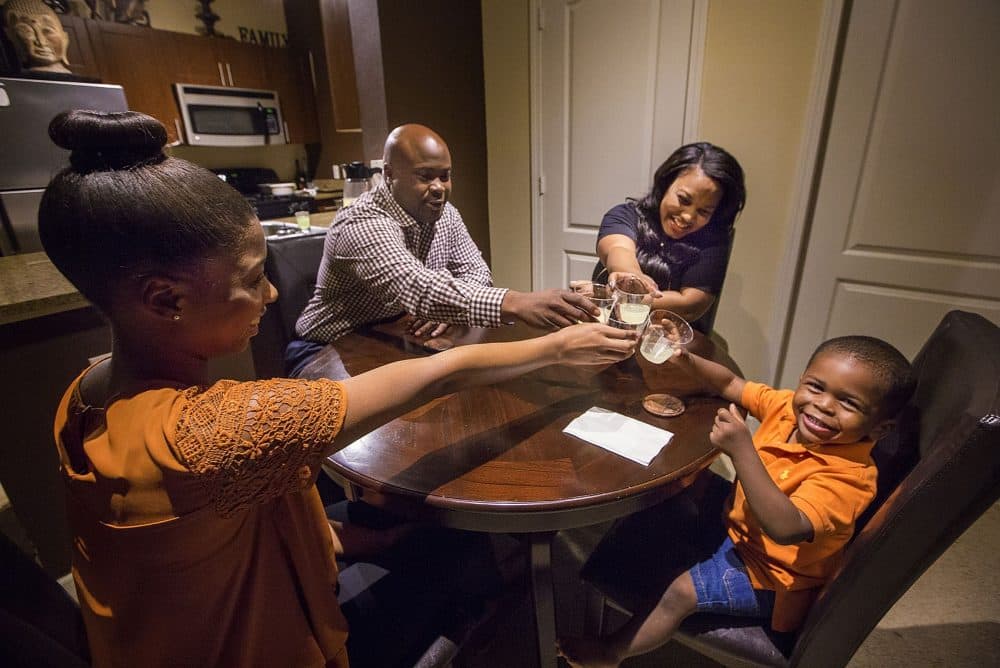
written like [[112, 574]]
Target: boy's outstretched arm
[[780, 519], [726, 383]]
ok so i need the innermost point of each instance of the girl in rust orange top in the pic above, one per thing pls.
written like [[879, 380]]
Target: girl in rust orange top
[[199, 537]]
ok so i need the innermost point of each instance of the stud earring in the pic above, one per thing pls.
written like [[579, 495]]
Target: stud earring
[[176, 316]]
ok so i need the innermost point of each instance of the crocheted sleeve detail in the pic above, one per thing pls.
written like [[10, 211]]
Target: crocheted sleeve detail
[[251, 442]]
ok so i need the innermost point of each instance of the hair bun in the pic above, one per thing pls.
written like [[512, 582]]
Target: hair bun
[[108, 140]]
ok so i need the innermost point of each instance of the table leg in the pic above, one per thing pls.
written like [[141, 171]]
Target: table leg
[[542, 591]]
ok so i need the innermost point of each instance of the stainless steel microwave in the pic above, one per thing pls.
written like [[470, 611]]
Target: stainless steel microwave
[[226, 116]]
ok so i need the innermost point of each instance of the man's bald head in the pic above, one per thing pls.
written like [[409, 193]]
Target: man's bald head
[[417, 169], [408, 140]]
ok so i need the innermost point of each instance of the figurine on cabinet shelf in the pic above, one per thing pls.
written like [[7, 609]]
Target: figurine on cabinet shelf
[[208, 18], [37, 35], [119, 11]]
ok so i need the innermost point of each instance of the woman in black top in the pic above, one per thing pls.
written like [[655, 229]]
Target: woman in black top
[[676, 239]]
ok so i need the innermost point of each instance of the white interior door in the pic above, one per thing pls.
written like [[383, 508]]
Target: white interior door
[[611, 95], [906, 220]]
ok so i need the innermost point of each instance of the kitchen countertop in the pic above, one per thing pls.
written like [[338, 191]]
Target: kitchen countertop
[[322, 219], [31, 286]]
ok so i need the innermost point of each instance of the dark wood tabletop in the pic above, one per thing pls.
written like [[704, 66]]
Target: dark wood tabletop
[[495, 458]]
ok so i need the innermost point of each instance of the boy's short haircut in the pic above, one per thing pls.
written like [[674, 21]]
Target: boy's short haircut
[[889, 365]]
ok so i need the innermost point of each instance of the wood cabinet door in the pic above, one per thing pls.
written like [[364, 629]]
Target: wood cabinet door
[[197, 61], [288, 74], [138, 59], [80, 53], [341, 70], [245, 64]]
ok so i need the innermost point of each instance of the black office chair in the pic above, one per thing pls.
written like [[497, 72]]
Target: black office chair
[[948, 467], [292, 264], [706, 322]]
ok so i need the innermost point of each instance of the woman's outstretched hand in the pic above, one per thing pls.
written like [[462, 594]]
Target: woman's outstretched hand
[[592, 343], [623, 276]]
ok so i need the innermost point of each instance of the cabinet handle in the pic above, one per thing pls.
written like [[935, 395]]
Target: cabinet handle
[[180, 135], [230, 73], [222, 75], [312, 69], [285, 124]]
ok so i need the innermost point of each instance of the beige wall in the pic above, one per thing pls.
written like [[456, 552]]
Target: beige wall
[[179, 15], [758, 65], [757, 76], [506, 64]]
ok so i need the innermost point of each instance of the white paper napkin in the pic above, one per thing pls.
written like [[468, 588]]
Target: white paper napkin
[[620, 434]]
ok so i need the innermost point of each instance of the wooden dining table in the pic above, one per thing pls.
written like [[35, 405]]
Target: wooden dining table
[[495, 458]]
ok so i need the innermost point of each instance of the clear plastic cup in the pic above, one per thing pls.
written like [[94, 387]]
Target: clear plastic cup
[[302, 219]]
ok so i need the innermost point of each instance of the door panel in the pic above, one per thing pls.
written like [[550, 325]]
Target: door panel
[[905, 225], [613, 88]]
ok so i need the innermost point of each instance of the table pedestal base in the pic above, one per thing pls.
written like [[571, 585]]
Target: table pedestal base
[[542, 591]]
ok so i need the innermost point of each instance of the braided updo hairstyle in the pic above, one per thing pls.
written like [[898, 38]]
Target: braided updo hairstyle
[[123, 209]]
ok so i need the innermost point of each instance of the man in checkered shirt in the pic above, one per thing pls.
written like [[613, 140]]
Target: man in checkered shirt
[[403, 249]]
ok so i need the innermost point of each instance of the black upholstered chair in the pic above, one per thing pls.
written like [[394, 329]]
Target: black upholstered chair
[[947, 466], [40, 625], [292, 264]]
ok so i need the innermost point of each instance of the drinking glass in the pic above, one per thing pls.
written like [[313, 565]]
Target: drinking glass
[[600, 294], [615, 321], [665, 333], [628, 322], [632, 300]]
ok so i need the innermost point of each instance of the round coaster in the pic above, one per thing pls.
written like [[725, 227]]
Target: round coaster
[[664, 405]]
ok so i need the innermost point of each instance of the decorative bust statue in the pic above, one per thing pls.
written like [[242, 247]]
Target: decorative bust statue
[[38, 35]]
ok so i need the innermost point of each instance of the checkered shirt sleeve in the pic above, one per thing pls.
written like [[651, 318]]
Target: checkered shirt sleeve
[[378, 262]]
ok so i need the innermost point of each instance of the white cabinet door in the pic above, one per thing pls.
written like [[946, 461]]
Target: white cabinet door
[[907, 218], [612, 87]]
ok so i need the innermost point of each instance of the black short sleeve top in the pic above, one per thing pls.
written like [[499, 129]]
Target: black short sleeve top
[[698, 261]]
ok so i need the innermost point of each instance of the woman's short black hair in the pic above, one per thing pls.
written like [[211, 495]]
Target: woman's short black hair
[[124, 209]]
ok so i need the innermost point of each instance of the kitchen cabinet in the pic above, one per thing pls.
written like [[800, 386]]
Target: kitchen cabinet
[[141, 60], [320, 32], [288, 73], [200, 64], [225, 62], [147, 62], [80, 52], [215, 61], [244, 63]]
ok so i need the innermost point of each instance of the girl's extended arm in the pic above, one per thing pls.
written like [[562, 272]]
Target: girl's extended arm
[[380, 395]]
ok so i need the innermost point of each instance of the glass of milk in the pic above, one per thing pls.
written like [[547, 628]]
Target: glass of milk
[[632, 301], [601, 295], [665, 333]]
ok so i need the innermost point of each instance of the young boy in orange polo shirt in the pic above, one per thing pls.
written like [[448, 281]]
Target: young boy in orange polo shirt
[[802, 480]]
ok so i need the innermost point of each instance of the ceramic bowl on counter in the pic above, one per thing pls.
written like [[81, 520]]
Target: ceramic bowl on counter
[[277, 189]]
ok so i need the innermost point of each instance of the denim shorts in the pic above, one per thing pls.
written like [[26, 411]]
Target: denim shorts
[[723, 586]]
